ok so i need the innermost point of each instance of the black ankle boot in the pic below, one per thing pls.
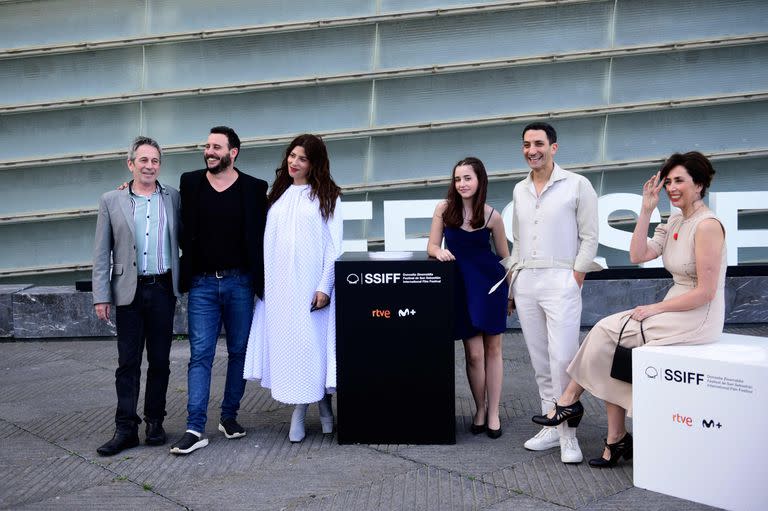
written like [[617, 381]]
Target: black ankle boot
[[155, 433], [571, 413], [120, 441], [621, 448]]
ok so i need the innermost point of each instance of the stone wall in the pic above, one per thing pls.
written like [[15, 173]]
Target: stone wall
[[30, 312]]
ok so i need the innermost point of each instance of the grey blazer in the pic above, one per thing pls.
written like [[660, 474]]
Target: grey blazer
[[115, 237]]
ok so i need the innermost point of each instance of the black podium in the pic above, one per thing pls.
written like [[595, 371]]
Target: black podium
[[395, 349]]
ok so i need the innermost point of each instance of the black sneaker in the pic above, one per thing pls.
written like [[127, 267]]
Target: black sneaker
[[188, 443], [231, 428]]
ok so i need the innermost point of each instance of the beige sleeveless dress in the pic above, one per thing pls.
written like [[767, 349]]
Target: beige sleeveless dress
[[674, 240]]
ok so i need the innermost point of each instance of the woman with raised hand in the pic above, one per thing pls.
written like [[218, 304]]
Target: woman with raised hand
[[292, 344], [468, 224], [692, 244]]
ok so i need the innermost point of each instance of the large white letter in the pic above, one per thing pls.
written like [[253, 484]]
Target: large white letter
[[395, 213], [362, 210], [726, 205], [616, 238]]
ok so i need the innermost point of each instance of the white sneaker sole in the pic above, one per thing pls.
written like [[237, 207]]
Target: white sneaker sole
[[233, 435], [571, 460], [197, 445], [541, 446]]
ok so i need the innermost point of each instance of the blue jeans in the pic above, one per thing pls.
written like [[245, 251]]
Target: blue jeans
[[212, 302]]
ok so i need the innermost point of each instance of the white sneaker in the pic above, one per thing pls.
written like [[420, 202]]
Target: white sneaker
[[570, 451], [546, 438]]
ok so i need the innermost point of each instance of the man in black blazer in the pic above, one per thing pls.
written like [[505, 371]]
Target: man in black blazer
[[136, 268], [223, 213]]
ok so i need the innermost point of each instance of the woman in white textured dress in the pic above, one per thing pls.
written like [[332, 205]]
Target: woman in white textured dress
[[292, 345], [692, 243]]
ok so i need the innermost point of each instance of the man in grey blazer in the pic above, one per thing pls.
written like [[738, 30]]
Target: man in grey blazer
[[136, 268]]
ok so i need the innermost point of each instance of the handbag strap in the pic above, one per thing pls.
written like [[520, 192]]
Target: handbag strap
[[642, 333]]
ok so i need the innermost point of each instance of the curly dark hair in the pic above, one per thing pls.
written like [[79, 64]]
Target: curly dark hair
[[453, 216], [319, 178], [698, 166]]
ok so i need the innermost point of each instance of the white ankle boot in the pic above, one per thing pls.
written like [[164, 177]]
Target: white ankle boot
[[296, 433], [326, 414]]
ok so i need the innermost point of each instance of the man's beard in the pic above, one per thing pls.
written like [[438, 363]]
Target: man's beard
[[224, 162]]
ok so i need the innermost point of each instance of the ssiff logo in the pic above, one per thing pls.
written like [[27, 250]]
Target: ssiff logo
[[678, 376], [374, 278]]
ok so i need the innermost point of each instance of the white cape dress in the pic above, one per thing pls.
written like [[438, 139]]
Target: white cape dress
[[290, 349]]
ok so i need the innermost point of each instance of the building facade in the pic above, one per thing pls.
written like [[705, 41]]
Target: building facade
[[399, 89]]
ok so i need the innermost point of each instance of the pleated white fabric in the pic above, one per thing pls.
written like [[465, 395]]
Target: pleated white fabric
[[290, 349]]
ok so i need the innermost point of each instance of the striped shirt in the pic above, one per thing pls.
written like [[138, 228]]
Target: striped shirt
[[153, 238]]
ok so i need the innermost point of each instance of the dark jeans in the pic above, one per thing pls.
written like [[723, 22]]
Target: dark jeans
[[148, 318], [212, 302]]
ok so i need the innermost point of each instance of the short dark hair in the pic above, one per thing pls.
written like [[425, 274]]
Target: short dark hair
[[232, 139], [140, 141], [698, 166], [546, 128]]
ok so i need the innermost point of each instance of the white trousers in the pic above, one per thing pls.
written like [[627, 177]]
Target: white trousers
[[548, 303]]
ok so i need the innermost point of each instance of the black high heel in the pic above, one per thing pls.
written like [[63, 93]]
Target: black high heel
[[476, 429], [621, 448], [571, 413], [494, 433]]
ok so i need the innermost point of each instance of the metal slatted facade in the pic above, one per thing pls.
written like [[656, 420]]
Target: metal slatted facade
[[400, 89]]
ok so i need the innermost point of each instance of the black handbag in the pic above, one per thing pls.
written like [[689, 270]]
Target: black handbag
[[621, 369]]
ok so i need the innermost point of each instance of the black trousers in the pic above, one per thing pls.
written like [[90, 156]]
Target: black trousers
[[148, 319]]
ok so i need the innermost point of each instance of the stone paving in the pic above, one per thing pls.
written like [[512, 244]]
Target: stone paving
[[57, 405]]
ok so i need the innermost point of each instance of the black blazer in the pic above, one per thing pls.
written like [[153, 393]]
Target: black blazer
[[255, 200]]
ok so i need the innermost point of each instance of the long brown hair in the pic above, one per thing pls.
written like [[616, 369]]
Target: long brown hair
[[319, 178], [453, 216]]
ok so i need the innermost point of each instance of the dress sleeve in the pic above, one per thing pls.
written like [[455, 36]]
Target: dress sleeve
[[332, 235]]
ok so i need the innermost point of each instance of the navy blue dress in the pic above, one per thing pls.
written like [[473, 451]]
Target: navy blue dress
[[478, 269]]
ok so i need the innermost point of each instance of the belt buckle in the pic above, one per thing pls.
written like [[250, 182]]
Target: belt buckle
[[217, 274]]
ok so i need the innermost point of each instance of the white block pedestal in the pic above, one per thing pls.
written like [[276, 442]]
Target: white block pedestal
[[700, 421]]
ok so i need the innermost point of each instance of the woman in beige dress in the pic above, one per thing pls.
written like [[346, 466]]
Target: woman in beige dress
[[692, 244]]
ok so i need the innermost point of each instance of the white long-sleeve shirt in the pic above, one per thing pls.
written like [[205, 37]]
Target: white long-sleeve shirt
[[559, 224]]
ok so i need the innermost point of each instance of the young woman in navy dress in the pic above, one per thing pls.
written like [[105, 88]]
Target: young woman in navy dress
[[468, 224]]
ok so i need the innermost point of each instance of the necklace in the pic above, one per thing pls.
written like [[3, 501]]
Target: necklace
[[696, 210], [467, 217]]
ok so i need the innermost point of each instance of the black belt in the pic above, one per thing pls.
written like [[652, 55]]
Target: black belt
[[220, 274], [153, 279]]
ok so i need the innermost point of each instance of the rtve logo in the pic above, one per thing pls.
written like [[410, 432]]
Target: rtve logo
[[381, 313], [684, 420]]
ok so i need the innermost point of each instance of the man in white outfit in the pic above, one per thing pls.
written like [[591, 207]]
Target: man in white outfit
[[555, 242]]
